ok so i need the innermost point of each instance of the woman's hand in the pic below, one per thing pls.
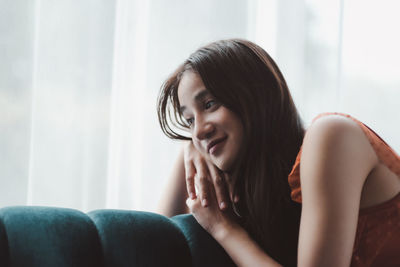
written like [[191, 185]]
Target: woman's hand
[[199, 173], [212, 218], [219, 219], [221, 225]]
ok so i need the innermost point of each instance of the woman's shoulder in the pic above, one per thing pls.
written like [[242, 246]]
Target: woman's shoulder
[[346, 123], [332, 138], [332, 133], [332, 128], [336, 155], [335, 119]]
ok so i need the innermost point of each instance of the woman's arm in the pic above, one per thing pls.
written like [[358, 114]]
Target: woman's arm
[[174, 196], [336, 159], [243, 250]]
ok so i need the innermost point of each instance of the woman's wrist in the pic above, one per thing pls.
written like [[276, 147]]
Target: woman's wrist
[[243, 250], [223, 231]]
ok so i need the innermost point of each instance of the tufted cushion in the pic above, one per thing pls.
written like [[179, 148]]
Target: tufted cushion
[[203, 247], [44, 237], [137, 238], [3, 246], [49, 237]]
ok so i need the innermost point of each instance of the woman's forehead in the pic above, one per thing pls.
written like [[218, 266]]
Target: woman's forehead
[[191, 87]]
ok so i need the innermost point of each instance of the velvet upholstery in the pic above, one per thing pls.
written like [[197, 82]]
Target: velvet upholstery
[[41, 236], [3, 246], [161, 241], [48, 237], [204, 249]]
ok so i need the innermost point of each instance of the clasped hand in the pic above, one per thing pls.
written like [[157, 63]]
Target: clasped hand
[[210, 193]]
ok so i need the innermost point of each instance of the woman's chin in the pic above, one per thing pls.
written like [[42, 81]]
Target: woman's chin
[[223, 165]]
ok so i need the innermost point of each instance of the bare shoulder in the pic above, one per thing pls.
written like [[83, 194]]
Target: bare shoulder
[[337, 142], [335, 127], [335, 162]]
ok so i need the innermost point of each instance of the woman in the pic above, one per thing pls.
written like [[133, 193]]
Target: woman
[[247, 144]]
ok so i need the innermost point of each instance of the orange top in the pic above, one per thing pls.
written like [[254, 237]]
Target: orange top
[[377, 241]]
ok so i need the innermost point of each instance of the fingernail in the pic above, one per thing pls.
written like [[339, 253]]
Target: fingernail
[[222, 205], [192, 196], [204, 202]]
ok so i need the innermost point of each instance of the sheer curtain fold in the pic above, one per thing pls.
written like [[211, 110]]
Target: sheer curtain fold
[[125, 163], [69, 117], [79, 81]]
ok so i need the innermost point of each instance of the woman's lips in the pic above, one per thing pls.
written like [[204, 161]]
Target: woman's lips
[[213, 149]]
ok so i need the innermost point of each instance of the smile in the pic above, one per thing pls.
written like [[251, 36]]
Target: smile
[[215, 145]]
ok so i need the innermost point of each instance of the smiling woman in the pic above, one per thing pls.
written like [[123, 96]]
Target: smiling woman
[[244, 154], [248, 93]]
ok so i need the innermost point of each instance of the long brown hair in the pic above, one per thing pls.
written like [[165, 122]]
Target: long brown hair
[[246, 80]]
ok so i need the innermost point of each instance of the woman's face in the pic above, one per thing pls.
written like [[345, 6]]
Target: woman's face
[[217, 132]]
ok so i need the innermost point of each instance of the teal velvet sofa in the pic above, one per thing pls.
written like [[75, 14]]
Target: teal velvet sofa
[[60, 237]]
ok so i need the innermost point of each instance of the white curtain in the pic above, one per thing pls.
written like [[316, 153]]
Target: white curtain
[[79, 81]]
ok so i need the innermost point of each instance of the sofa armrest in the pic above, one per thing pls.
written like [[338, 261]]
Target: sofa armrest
[[137, 238], [48, 236], [204, 249], [45, 236]]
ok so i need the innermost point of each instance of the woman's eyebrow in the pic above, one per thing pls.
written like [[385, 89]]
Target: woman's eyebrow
[[197, 98], [201, 95]]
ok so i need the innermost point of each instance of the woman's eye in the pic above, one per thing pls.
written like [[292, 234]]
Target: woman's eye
[[209, 104], [189, 121]]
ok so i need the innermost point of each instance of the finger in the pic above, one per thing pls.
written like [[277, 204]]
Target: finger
[[202, 182], [236, 199], [189, 203], [190, 172], [193, 204], [233, 197], [221, 191]]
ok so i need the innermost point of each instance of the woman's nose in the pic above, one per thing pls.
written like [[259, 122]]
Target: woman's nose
[[203, 129]]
